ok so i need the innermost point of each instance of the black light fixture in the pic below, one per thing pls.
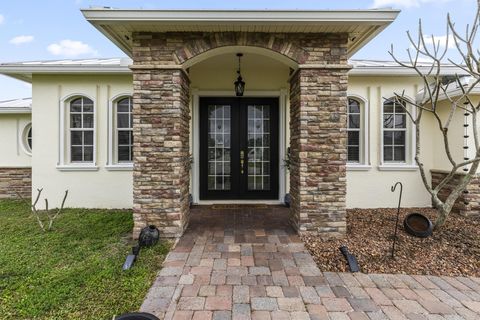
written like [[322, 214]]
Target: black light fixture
[[239, 84]]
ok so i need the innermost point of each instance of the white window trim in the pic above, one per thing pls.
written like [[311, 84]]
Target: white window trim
[[112, 164], [398, 167], [77, 167], [410, 141], [24, 139], [64, 144], [358, 167], [364, 164], [119, 167]]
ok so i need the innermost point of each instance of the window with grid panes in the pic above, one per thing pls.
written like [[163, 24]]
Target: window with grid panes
[[394, 131], [353, 131], [81, 129], [124, 130]]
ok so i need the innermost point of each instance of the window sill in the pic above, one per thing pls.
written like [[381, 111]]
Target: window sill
[[358, 167], [398, 167], [119, 167], [77, 167]]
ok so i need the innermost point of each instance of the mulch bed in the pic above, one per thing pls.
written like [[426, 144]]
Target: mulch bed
[[453, 250]]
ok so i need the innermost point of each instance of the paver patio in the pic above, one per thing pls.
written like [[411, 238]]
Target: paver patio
[[248, 263]]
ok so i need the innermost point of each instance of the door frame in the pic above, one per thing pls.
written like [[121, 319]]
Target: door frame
[[281, 95], [239, 143]]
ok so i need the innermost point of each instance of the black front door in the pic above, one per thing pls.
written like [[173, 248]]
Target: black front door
[[238, 148]]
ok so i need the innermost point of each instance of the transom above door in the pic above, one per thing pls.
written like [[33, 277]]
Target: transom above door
[[238, 148]]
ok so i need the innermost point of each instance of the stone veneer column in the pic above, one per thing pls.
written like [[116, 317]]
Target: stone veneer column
[[318, 101], [161, 149]]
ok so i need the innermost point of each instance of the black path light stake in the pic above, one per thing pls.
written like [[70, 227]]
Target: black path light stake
[[136, 316], [148, 237], [398, 215], [351, 260]]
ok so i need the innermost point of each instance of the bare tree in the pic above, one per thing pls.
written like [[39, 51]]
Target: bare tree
[[51, 217], [437, 89]]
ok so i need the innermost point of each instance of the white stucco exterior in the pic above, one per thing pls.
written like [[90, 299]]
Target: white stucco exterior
[[104, 185], [101, 186], [13, 129], [88, 187]]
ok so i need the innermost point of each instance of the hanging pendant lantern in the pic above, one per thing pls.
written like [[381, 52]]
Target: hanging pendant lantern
[[239, 84]]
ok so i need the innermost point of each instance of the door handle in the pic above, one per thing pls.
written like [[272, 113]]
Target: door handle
[[242, 161]]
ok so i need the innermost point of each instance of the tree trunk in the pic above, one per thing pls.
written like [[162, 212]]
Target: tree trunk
[[441, 218]]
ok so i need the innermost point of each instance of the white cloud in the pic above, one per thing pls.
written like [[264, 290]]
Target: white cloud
[[71, 48], [403, 3], [442, 40], [2, 19], [21, 40]]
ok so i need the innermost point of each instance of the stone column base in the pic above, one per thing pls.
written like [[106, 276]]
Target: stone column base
[[13, 180]]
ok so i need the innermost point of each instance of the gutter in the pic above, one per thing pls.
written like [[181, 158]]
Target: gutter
[[105, 14], [400, 71], [15, 110], [25, 72]]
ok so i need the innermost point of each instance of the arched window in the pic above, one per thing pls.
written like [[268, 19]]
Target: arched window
[[394, 131], [354, 130], [124, 130], [81, 130]]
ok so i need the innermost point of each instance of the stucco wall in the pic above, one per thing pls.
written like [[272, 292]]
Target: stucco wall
[[90, 189], [455, 136], [113, 189], [371, 188], [13, 152]]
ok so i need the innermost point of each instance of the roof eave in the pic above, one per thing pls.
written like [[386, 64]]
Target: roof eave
[[400, 71], [100, 18], [15, 110], [274, 16], [25, 72]]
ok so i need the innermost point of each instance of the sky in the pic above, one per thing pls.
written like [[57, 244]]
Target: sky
[[32, 30]]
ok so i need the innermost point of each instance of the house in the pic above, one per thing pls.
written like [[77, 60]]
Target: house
[[166, 126]]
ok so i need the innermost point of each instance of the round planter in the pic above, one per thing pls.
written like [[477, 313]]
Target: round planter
[[418, 225], [148, 236], [136, 316]]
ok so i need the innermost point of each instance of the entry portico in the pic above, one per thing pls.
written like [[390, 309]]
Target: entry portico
[[295, 68]]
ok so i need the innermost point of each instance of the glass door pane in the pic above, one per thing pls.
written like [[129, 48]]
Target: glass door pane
[[219, 149], [258, 147]]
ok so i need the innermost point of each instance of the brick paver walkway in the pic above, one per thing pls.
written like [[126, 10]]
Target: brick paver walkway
[[249, 264]]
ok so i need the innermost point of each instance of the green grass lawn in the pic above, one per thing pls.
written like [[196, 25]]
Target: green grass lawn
[[73, 271]]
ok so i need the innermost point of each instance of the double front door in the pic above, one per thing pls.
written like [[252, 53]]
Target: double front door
[[238, 148]]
